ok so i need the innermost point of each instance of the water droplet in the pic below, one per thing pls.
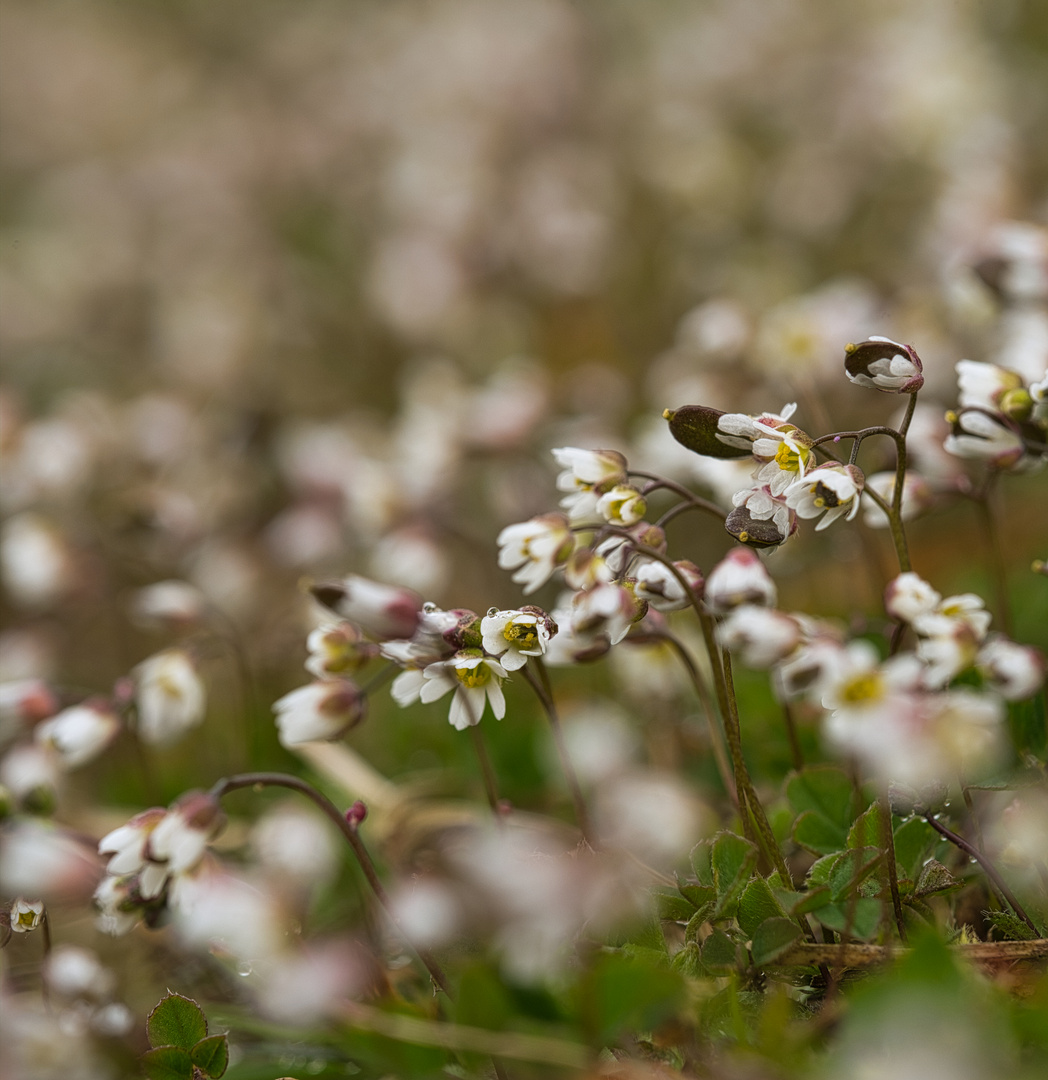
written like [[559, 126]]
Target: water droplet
[[429, 607], [244, 969], [492, 611]]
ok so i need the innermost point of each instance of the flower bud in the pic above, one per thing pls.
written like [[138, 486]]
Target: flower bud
[[739, 578], [383, 611], [696, 427], [885, 365]]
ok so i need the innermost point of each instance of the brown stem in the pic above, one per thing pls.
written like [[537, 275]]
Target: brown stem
[[855, 955], [985, 863], [349, 831], [695, 502], [893, 872]]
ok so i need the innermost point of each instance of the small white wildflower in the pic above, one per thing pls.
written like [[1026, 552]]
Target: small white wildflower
[[606, 609], [882, 364], [908, 596], [535, 549], [586, 475], [656, 583], [622, 505], [515, 635], [169, 696], [739, 578], [761, 636], [988, 437], [830, 490], [172, 603], [382, 611], [80, 733], [337, 648], [26, 915], [475, 679], [324, 709], [917, 496], [1015, 671]]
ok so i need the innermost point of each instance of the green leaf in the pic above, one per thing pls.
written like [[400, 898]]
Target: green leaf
[[819, 873], [816, 833], [756, 905], [935, 878], [673, 906], [176, 1021], [865, 921], [698, 920], [696, 895], [718, 951], [850, 869], [800, 903], [772, 939], [628, 993], [702, 862], [1008, 927], [689, 962], [481, 1000], [211, 1055], [825, 789], [733, 861], [868, 829], [167, 1063], [695, 426]]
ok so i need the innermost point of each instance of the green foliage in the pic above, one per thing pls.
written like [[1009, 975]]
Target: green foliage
[[181, 1047], [773, 939], [823, 798]]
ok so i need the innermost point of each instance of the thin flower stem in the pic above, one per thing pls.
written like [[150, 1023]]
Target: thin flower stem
[[720, 754], [893, 872], [695, 501], [544, 692], [487, 770], [351, 834], [985, 863]]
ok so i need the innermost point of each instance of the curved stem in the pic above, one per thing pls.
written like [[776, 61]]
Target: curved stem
[[893, 872], [349, 831], [984, 862], [696, 501], [544, 692]]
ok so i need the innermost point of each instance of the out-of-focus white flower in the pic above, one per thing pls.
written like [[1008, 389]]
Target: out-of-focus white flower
[[337, 648], [30, 773], [606, 609], [571, 646], [651, 814], [599, 741], [181, 837], [34, 561], [22, 703], [295, 845], [855, 684], [534, 549], [74, 972], [967, 608], [988, 437], [475, 680], [324, 709], [515, 635], [168, 604], [1020, 833], [413, 557], [428, 911], [739, 578], [882, 364], [26, 915], [917, 496], [118, 906], [438, 634], [40, 859], [304, 986], [761, 636], [127, 848], [830, 490], [622, 505], [382, 611], [760, 519], [948, 649], [588, 567], [984, 386], [45, 1044], [80, 733], [1015, 671], [587, 475], [169, 697], [908, 596], [657, 584], [113, 1020]]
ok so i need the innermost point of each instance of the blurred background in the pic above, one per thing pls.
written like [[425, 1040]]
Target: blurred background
[[293, 289]]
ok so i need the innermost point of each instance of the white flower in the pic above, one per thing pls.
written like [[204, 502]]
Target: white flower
[[882, 364], [856, 682], [741, 430], [34, 561], [656, 583], [475, 680], [336, 648], [739, 578], [948, 649], [73, 972], [622, 505], [407, 687], [978, 434], [382, 611], [786, 451], [605, 609], [169, 696], [80, 733], [830, 490], [965, 608], [26, 915], [181, 837], [535, 548], [515, 635], [761, 636], [128, 848], [321, 710], [118, 909], [587, 475], [168, 604], [982, 386], [1015, 671], [29, 771], [908, 596], [760, 519]]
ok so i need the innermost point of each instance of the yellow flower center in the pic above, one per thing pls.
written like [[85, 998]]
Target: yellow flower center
[[789, 459], [524, 635], [473, 676], [865, 687]]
